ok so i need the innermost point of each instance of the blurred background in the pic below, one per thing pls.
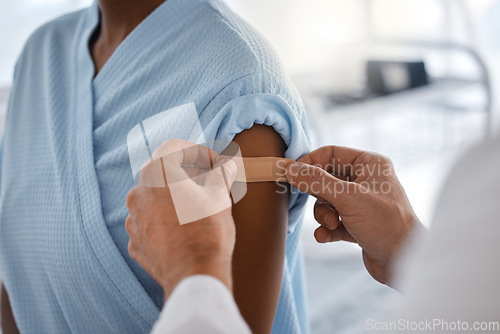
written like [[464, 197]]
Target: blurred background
[[415, 80]]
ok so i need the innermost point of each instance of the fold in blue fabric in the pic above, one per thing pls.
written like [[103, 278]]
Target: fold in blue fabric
[[65, 169]]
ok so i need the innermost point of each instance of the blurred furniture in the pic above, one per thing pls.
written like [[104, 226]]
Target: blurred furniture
[[443, 101], [469, 48], [422, 130]]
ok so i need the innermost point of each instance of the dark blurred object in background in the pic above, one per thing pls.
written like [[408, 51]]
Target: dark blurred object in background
[[385, 77]]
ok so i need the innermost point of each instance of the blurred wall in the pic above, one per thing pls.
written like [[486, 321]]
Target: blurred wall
[[314, 35], [18, 19]]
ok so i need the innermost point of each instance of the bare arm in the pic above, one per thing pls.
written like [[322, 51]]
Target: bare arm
[[8, 323], [261, 223]]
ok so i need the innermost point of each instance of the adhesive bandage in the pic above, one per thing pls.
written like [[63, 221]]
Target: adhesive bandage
[[263, 169]]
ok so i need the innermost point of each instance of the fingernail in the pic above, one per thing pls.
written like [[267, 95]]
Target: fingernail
[[230, 167], [293, 170], [332, 221]]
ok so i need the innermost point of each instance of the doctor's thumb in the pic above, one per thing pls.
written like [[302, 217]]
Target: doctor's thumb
[[223, 175], [318, 182]]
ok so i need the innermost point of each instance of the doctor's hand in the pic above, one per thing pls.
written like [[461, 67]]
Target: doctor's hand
[[180, 221], [359, 199]]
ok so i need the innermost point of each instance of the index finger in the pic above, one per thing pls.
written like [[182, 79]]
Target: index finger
[[338, 160], [182, 152], [175, 154]]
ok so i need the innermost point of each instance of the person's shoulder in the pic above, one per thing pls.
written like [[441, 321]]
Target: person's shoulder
[[244, 40], [48, 41], [58, 27], [57, 31], [240, 49]]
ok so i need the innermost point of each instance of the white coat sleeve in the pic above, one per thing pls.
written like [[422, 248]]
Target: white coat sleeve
[[449, 280], [200, 304]]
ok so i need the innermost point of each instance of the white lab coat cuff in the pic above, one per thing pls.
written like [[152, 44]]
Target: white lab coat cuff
[[201, 304]]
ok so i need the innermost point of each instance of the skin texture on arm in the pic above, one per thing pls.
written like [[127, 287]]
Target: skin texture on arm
[[8, 323], [261, 219]]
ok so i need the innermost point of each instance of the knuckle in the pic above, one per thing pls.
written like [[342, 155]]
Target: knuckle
[[148, 170], [166, 147], [131, 250], [174, 144], [316, 175], [316, 210], [366, 157], [321, 213], [321, 217], [128, 223], [131, 199], [385, 159], [169, 143]]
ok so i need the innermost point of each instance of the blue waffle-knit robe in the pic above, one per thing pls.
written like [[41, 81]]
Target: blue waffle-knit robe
[[65, 168]]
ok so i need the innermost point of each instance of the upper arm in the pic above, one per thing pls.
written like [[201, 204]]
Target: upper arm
[[261, 219], [8, 322]]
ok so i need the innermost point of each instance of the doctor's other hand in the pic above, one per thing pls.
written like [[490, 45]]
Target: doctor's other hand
[[180, 222], [359, 199]]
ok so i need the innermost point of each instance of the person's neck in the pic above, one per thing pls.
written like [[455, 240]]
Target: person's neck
[[118, 19]]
